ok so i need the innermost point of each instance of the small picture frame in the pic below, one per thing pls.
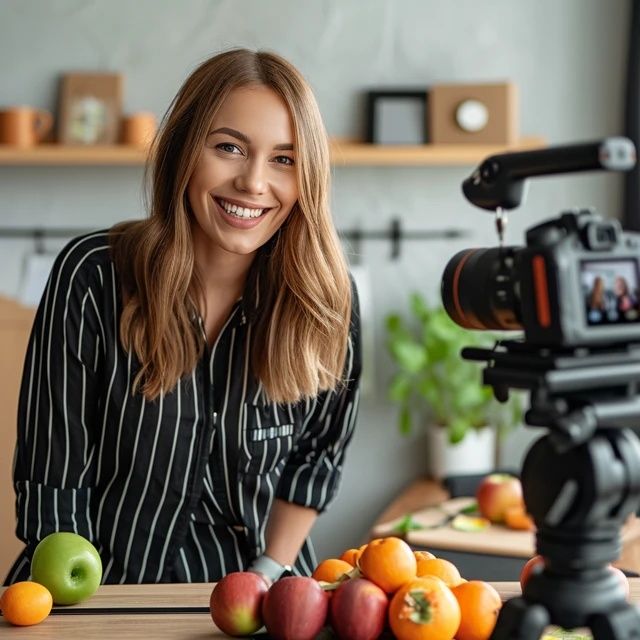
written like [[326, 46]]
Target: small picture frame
[[397, 117], [90, 108]]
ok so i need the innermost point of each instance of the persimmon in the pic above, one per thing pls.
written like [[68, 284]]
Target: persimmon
[[423, 555], [517, 518], [389, 562], [479, 604], [331, 570], [424, 609], [443, 569], [26, 603]]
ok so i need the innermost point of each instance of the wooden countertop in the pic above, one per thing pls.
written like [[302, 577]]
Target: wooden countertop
[[422, 494], [158, 611]]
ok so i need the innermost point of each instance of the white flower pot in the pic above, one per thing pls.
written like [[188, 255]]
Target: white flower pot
[[475, 454]]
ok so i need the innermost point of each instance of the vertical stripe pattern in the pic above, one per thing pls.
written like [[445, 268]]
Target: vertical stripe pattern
[[178, 489]]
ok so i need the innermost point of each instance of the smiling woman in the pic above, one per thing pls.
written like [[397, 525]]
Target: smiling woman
[[191, 383]]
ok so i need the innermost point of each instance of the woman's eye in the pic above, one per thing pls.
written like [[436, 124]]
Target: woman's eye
[[228, 147], [284, 160]]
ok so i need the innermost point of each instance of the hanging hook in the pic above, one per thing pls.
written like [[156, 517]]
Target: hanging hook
[[395, 235], [38, 239]]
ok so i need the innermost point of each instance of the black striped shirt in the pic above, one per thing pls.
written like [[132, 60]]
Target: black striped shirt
[[177, 489]]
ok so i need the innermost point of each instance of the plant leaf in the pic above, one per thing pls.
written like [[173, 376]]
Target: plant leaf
[[404, 421], [400, 388], [406, 525], [457, 430], [410, 355]]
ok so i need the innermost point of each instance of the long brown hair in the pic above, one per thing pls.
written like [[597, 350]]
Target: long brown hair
[[300, 277]]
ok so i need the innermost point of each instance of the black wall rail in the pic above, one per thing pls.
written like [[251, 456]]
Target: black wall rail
[[394, 233]]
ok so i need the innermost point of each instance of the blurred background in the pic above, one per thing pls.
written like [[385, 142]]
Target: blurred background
[[567, 59]]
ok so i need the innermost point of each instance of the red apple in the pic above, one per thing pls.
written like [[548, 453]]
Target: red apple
[[530, 567], [496, 493], [236, 603], [295, 608], [359, 610]]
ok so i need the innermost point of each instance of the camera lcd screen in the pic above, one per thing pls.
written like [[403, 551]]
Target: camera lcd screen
[[611, 291]]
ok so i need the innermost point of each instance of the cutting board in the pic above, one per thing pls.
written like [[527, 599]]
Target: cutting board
[[495, 540]]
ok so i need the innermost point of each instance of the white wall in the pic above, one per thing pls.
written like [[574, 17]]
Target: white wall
[[567, 57]]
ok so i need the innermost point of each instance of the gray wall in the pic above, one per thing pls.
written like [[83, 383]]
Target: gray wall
[[567, 57]]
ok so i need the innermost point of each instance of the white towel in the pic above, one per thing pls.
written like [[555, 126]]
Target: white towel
[[35, 273], [362, 279]]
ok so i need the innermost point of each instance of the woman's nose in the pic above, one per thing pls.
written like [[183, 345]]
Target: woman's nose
[[251, 179]]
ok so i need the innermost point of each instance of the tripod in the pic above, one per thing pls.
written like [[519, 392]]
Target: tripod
[[580, 482]]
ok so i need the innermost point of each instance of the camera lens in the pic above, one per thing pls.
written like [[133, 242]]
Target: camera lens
[[479, 290]]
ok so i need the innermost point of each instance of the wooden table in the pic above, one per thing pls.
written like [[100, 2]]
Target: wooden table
[[158, 611]]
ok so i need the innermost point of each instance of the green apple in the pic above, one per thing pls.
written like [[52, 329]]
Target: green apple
[[68, 565]]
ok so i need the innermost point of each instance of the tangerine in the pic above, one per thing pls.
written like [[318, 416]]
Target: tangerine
[[424, 609], [26, 603], [479, 604], [353, 555], [331, 570], [443, 569], [389, 562], [423, 555], [517, 518]]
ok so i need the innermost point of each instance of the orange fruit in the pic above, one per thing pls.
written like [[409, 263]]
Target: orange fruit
[[443, 569], [331, 570], [389, 562], [517, 518], [26, 603], [423, 555], [479, 604], [424, 609], [353, 555], [528, 568]]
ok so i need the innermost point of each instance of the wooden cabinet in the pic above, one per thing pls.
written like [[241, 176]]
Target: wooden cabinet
[[15, 327]]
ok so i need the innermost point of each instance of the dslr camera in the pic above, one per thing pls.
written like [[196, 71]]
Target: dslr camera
[[577, 280]]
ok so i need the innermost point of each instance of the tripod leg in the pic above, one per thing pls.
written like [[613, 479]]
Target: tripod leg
[[519, 620], [622, 624]]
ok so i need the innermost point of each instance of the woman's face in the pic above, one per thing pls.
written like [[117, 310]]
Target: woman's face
[[245, 183]]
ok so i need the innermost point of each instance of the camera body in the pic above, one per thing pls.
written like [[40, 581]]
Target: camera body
[[575, 283]]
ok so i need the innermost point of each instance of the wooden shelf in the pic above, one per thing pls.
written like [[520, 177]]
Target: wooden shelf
[[60, 155], [343, 153], [353, 154]]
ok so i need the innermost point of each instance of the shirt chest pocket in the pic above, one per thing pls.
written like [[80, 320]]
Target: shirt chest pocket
[[268, 438]]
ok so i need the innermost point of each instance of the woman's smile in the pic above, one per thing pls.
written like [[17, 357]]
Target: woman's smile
[[241, 215]]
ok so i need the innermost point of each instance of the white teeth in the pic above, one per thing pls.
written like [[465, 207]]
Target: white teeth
[[240, 212]]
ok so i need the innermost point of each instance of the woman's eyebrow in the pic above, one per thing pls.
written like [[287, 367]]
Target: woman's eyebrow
[[243, 138], [232, 132]]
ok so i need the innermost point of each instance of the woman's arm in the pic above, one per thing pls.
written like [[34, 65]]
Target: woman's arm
[[288, 526]]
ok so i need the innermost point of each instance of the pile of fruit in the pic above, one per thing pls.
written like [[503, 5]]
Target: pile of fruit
[[383, 585]]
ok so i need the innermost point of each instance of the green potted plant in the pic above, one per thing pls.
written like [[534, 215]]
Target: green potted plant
[[436, 386]]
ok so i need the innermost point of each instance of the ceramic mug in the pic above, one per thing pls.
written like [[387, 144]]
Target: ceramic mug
[[24, 126], [139, 128]]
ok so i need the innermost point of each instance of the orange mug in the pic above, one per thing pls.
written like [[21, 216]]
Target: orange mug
[[24, 126], [139, 128]]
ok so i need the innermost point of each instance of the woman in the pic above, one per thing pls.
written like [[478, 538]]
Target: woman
[[191, 382]]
